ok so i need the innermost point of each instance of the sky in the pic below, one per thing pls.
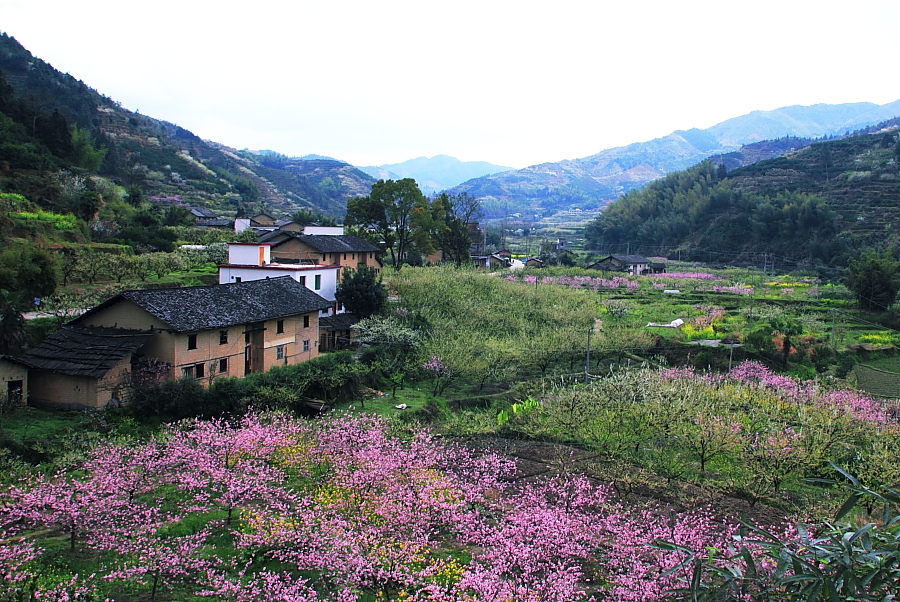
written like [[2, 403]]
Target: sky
[[515, 83]]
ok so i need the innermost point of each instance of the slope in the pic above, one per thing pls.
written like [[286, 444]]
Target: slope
[[163, 160], [823, 203]]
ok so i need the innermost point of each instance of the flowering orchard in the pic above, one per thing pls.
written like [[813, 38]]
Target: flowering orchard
[[277, 509], [751, 433], [344, 508]]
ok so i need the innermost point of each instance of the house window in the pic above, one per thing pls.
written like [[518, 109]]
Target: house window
[[353, 256], [223, 337], [318, 281], [237, 278], [279, 352], [302, 280], [306, 321], [187, 372], [305, 344], [279, 327], [192, 341], [223, 364], [198, 370], [345, 257]]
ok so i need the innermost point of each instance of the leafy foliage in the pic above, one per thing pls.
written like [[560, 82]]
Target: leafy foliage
[[875, 280], [361, 291]]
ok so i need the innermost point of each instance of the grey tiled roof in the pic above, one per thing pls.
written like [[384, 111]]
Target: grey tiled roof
[[203, 212], [338, 322], [84, 350], [345, 243], [203, 307], [631, 258], [276, 235], [213, 223]]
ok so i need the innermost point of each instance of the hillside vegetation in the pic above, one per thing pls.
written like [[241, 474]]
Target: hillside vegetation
[[40, 106], [823, 203]]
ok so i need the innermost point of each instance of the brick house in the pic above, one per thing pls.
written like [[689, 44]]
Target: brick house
[[343, 250], [200, 332], [253, 261]]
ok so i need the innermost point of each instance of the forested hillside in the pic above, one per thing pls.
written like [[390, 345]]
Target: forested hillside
[[823, 203], [51, 121]]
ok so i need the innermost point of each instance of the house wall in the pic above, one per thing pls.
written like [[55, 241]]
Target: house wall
[[324, 230], [124, 314], [329, 274], [297, 250], [51, 389], [172, 347], [249, 253], [15, 373], [291, 340]]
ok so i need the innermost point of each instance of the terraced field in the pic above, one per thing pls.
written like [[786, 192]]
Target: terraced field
[[880, 377]]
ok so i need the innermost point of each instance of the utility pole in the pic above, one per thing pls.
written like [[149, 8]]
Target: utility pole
[[587, 359], [832, 328]]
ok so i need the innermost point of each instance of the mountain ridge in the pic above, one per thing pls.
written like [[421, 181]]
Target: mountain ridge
[[434, 174], [596, 180]]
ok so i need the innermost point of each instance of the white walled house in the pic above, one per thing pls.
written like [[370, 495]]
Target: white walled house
[[252, 261]]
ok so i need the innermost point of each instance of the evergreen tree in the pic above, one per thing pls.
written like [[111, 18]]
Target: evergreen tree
[[361, 291], [875, 280]]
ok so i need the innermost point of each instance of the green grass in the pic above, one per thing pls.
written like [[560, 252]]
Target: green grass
[[35, 423], [383, 405]]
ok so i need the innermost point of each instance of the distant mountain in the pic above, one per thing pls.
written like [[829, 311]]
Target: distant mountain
[[594, 181], [437, 173], [163, 160]]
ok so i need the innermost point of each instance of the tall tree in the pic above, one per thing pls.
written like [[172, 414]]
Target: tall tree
[[452, 215], [875, 280], [388, 212], [361, 291]]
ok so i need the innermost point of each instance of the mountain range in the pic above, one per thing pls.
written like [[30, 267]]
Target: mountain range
[[594, 181], [436, 173], [167, 161]]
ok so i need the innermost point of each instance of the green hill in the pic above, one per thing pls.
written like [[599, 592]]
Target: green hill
[[40, 105], [822, 203]]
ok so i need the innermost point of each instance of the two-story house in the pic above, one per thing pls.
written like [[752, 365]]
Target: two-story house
[[253, 261], [200, 332], [342, 250]]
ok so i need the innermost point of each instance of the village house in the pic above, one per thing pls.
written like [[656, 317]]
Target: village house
[[343, 250], [253, 261], [78, 367], [633, 264], [200, 332]]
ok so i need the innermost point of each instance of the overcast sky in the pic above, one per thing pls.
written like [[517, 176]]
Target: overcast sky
[[511, 82]]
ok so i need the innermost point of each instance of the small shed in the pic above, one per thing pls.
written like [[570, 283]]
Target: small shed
[[83, 367], [336, 331]]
